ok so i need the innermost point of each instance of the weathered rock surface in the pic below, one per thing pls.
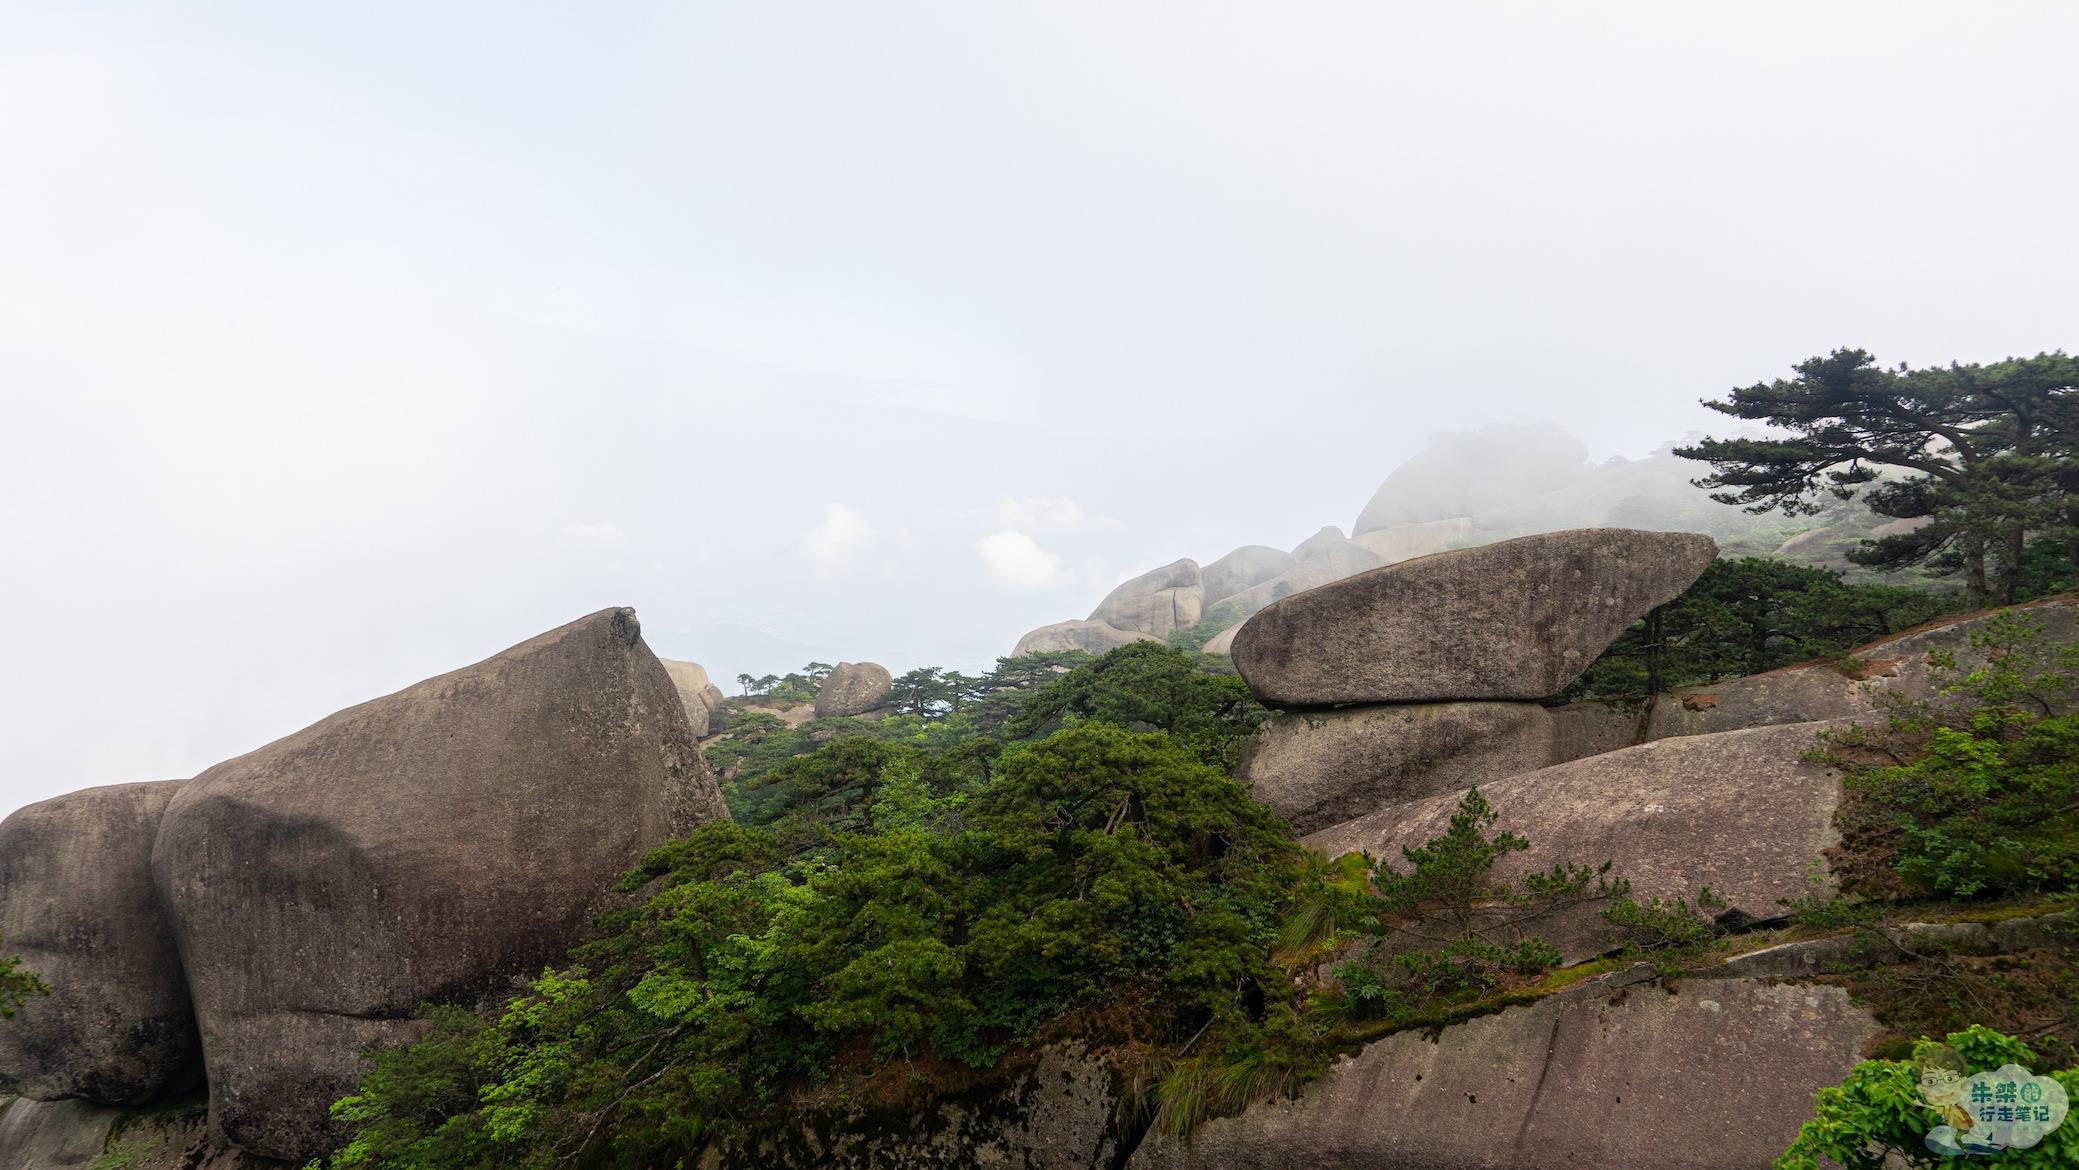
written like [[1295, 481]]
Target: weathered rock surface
[[78, 905], [1405, 542], [1899, 666], [77, 1135], [853, 688], [1715, 1076], [1251, 564], [1156, 602], [1516, 620], [1092, 637], [1061, 1114], [54, 1135], [699, 695], [1221, 643], [1321, 768], [1741, 812], [422, 846]]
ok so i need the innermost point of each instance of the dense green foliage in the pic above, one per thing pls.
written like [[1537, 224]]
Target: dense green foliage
[[1876, 1119], [1751, 614], [1985, 456], [17, 985], [938, 898], [1977, 795]]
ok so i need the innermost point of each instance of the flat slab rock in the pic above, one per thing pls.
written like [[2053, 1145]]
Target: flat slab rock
[[1715, 1076], [1741, 812], [1518, 619], [1319, 768]]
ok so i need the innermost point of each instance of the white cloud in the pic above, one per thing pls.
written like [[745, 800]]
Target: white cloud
[[1041, 512], [832, 545], [599, 533], [1017, 560]]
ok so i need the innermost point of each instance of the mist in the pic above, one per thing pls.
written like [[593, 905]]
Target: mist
[[341, 349]]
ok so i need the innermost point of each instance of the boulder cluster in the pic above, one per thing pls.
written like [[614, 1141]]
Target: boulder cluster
[[1402, 687], [258, 927]]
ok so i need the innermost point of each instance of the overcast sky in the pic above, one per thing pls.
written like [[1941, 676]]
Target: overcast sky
[[343, 345]]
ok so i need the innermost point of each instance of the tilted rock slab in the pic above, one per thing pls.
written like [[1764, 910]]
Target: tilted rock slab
[[1320, 768], [853, 688], [1715, 1076], [1741, 812], [55, 1135], [1519, 619], [1063, 1112], [1090, 637], [1899, 667], [1156, 602], [699, 695], [427, 845], [78, 905]]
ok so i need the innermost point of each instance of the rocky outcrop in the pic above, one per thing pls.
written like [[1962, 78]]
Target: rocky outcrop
[[1516, 620], [1221, 643], [78, 905], [1715, 1075], [55, 1135], [853, 688], [423, 846], [1251, 564], [1156, 602], [1868, 678], [699, 696], [1060, 1113], [1321, 768], [1322, 561], [1741, 812], [1089, 637]]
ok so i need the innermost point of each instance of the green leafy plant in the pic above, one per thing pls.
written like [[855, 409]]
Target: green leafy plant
[[17, 985], [1876, 1119]]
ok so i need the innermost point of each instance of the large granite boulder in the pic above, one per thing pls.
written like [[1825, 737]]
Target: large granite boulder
[[1090, 637], [78, 905], [1741, 812], [1156, 602], [1715, 1075], [699, 695], [1865, 680], [853, 688], [1515, 620], [1220, 643], [1251, 564], [428, 845], [1321, 768]]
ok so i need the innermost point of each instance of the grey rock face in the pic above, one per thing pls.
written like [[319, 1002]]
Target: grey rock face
[[1515, 620], [1900, 666], [1060, 1114], [1248, 565], [1321, 768], [853, 688], [1322, 563], [422, 846], [1092, 637], [1740, 812], [54, 1135], [1715, 1076], [1156, 602], [699, 696], [78, 905]]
